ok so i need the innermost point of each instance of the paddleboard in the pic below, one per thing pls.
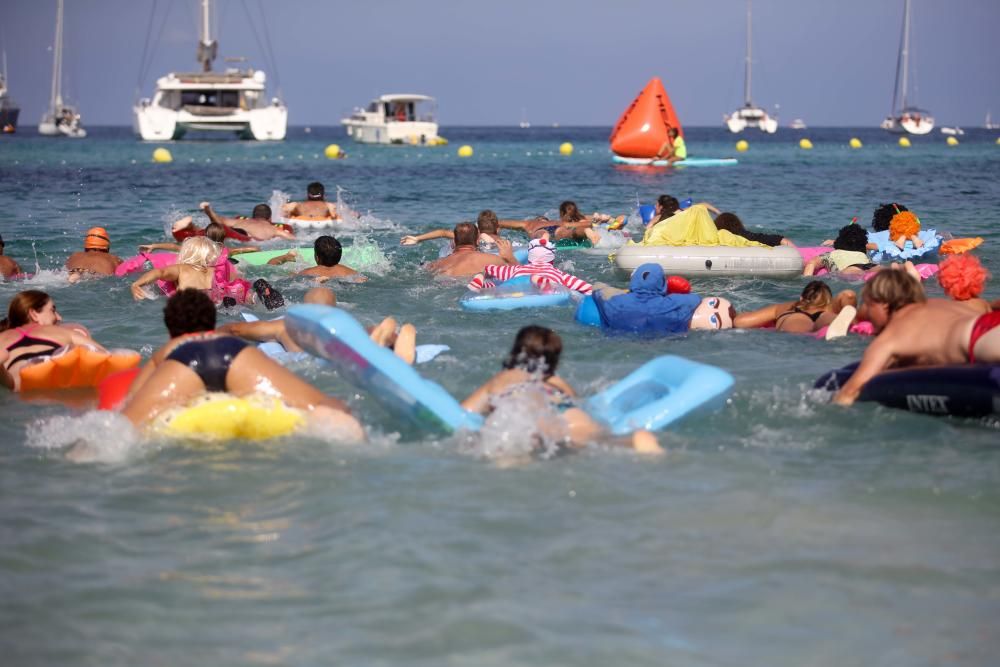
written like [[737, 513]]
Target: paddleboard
[[689, 162]]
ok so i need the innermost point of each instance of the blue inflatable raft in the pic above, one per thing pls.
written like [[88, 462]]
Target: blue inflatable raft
[[653, 396], [513, 294]]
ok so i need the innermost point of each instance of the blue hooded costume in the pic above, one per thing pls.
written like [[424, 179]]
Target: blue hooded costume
[[646, 308]]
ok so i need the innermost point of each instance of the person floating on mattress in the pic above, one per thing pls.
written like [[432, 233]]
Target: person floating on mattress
[[8, 267], [529, 374], [541, 255], [213, 232], [400, 339], [196, 361], [849, 255], [916, 331], [314, 209], [258, 227], [648, 308], [731, 223], [467, 259], [327, 252], [31, 331], [816, 308], [96, 258], [572, 225], [896, 235], [692, 226], [486, 223]]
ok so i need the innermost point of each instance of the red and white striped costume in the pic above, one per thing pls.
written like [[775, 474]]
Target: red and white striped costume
[[541, 275]]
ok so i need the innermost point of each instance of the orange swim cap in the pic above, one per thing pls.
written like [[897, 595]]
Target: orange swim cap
[[96, 239]]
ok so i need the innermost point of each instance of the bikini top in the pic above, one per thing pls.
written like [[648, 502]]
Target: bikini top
[[27, 340]]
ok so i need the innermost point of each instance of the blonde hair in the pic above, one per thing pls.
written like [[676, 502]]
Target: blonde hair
[[895, 288], [199, 251]]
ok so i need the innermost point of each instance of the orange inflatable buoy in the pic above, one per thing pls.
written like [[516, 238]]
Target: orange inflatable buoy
[[958, 246], [114, 388], [642, 129], [77, 367]]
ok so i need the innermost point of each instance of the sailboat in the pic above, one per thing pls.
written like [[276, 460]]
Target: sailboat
[[990, 125], [8, 107], [61, 120], [749, 115], [903, 117], [231, 101]]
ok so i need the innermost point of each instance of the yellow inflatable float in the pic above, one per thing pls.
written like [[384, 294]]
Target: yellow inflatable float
[[225, 417], [76, 367]]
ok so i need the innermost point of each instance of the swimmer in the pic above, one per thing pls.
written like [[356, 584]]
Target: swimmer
[[196, 361], [258, 227], [32, 330], [647, 309], [540, 268], [327, 251], [731, 223], [8, 267], [96, 258], [570, 225], [400, 339], [487, 224], [850, 256], [194, 269], [466, 259], [916, 331], [214, 232], [816, 308], [315, 208], [529, 370]]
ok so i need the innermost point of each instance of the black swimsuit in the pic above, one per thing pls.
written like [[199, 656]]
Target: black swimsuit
[[210, 358], [30, 341], [796, 309]]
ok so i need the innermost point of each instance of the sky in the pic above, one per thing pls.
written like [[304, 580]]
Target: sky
[[831, 63]]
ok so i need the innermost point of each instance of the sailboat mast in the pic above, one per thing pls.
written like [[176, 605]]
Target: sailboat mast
[[746, 77], [207, 47], [905, 54], [56, 98]]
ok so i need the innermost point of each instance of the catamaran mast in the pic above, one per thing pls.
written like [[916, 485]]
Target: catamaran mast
[[207, 47], [905, 55], [746, 77], [55, 101]]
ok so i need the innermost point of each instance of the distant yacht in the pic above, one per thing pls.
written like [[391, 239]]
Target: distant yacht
[[905, 118], [797, 124], [9, 110], [231, 101], [989, 124], [749, 115], [524, 124], [61, 120], [952, 131], [395, 119]]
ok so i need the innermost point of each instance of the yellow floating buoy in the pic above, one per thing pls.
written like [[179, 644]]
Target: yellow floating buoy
[[742, 145], [951, 141], [904, 142], [805, 144], [465, 151], [332, 151], [162, 155], [855, 142], [565, 148]]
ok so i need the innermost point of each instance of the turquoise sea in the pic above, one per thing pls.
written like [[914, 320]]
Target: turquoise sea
[[778, 531]]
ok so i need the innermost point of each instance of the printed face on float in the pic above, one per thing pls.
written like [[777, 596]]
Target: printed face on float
[[713, 313]]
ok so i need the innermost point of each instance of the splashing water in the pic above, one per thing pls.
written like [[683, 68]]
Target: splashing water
[[96, 436]]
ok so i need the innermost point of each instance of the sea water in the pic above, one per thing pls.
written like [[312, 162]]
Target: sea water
[[779, 530]]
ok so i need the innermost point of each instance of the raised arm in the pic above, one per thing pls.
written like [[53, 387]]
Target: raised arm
[[170, 273], [515, 224], [332, 210], [289, 256], [150, 247]]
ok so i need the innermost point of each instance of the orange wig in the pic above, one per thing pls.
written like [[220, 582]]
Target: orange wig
[[903, 224], [963, 277]]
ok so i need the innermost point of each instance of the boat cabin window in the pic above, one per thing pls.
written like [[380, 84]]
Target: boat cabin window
[[399, 111], [210, 98]]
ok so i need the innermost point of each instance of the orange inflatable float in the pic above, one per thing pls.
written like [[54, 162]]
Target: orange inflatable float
[[642, 129], [958, 246], [77, 367]]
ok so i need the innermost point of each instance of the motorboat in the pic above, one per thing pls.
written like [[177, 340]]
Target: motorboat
[[9, 110], [395, 119], [60, 119], [750, 115], [797, 124], [952, 131], [234, 101], [904, 117]]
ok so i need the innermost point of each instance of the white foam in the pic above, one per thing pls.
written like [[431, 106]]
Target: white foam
[[96, 436]]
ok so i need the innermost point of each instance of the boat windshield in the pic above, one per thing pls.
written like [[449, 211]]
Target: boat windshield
[[211, 98]]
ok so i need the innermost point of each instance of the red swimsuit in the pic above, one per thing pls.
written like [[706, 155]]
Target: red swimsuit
[[984, 323]]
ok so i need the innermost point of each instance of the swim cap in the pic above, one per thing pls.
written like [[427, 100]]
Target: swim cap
[[96, 239], [541, 251]]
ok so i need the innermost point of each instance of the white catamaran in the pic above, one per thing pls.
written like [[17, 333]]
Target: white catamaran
[[231, 101], [60, 120], [749, 115], [905, 118]]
